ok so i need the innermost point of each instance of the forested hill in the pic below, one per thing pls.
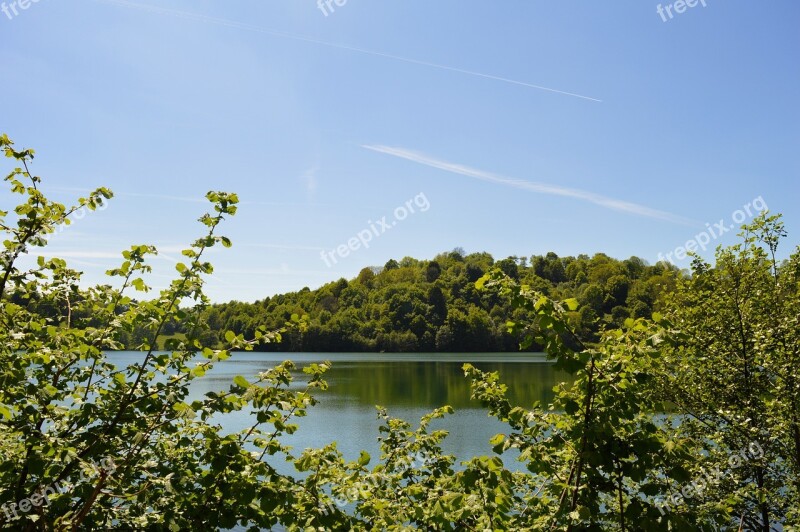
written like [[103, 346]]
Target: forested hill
[[433, 305]]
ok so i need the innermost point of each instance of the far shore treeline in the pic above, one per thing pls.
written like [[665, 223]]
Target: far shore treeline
[[433, 306]]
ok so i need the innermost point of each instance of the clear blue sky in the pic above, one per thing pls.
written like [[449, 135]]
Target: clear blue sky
[[324, 123]]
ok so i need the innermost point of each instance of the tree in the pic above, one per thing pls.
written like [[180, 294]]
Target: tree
[[598, 461], [458, 254], [366, 276], [592, 297], [509, 267], [617, 288], [549, 267], [735, 373], [88, 445], [439, 305], [433, 271]]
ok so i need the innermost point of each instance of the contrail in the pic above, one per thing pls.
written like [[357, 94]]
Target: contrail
[[542, 188], [298, 37]]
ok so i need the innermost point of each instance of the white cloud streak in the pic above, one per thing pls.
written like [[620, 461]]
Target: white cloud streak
[[541, 188], [286, 35]]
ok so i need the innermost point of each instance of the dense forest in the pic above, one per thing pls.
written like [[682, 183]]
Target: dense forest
[[416, 305], [433, 305]]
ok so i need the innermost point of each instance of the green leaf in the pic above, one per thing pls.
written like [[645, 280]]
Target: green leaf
[[364, 458], [497, 440], [571, 408]]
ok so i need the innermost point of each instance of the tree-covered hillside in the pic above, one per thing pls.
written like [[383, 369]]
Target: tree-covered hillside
[[433, 305]]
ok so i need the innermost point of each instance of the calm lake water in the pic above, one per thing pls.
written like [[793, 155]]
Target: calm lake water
[[408, 385]]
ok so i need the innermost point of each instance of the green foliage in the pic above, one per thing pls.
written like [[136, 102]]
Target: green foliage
[[596, 456], [89, 445], [433, 305], [735, 373], [688, 420]]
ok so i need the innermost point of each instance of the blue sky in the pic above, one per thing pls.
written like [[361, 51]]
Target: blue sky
[[527, 127]]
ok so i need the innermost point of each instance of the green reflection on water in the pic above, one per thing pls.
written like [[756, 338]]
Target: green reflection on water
[[408, 385], [437, 383]]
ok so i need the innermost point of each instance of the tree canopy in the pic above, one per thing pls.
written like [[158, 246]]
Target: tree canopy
[[433, 306]]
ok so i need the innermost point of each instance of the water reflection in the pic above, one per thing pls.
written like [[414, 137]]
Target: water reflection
[[408, 385]]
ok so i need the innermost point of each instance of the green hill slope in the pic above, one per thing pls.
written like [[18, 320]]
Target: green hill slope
[[433, 305]]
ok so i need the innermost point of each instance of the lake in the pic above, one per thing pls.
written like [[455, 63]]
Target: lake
[[408, 385]]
